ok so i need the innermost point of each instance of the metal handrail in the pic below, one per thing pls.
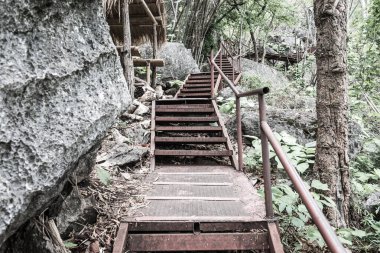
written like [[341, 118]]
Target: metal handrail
[[267, 136]]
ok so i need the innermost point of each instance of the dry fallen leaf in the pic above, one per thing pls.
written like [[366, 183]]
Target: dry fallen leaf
[[94, 247]]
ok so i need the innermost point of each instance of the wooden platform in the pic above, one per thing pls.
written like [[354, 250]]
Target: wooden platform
[[200, 193]]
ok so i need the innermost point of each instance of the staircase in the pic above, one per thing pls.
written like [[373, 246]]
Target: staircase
[[199, 85], [198, 200], [189, 127]]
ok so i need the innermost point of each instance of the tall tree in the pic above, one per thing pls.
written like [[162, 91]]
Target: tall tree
[[332, 105]]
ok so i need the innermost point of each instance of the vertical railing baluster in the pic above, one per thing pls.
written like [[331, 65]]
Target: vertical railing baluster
[[212, 73], [266, 162], [239, 133]]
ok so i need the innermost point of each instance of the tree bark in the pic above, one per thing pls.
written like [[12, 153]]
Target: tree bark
[[127, 43], [332, 106]]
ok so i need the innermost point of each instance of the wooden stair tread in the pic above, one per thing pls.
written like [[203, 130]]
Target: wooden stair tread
[[162, 152], [189, 128], [186, 119], [183, 110], [194, 94], [191, 139]]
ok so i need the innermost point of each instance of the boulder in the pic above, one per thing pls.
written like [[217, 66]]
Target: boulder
[[298, 123], [141, 108], [122, 155], [75, 214], [179, 61], [373, 204], [61, 88], [261, 73]]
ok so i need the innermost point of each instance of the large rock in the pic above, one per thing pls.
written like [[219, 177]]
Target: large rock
[[372, 204], [302, 124], [61, 88], [261, 74], [75, 214], [122, 155], [178, 60]]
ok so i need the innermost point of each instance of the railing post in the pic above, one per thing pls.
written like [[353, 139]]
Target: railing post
[[233, 69], [212, 73], [266, 163], [220, 57], [239, 134]]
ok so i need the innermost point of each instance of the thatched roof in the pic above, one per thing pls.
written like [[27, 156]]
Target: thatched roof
[[141, 24]]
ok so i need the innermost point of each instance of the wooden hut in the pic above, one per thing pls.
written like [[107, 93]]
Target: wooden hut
[[132, 23]]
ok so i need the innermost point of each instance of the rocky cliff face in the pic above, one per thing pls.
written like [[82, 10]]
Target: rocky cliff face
[[61, 87]]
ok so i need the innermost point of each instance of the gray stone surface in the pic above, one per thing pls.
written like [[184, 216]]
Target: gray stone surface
[[269, 76], [61, 88], [299, 123], [178, 60], [121, 155], [75, 214], [373, 204]]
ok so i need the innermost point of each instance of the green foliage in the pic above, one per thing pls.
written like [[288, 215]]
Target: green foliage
[[103, 175], [176, 84], [140, 71], [295, 220], [253, 82], [229, 107], [302, 157], [70, 245]]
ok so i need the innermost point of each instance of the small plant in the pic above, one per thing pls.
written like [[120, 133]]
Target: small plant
[[70, 245], [253, 82], [302, 157], [176, 84], [140, 71], [228, 107], [103, 175]]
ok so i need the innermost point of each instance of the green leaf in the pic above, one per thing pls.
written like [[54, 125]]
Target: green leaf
[[376, 173], [288, 139], [70, 245], [279, 164], [281, 207], [358, 233], [344, 241], [302, 167], [297, 222], [311, 144], [316, 184], [103, 175]]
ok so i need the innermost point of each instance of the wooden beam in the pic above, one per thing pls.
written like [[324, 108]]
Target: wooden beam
[[147, 10], [144, 62], [197, 242], [274, 238], [121, 239], [127, 43]]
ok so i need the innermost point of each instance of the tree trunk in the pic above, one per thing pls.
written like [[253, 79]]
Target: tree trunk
[[127, 56], [332, 106]]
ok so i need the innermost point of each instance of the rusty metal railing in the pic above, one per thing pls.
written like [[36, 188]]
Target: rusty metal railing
[[267, 137]]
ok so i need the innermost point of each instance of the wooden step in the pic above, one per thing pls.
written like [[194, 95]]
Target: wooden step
[[189, 128], [199, 81], [162, 152], [186, 119], [203, 140], [177, 242], [196, 85], [185, 90], [186, 106], [185, 110], [194, 94]]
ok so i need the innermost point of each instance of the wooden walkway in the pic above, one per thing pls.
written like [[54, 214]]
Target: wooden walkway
[[200, 193], [197, 201]]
